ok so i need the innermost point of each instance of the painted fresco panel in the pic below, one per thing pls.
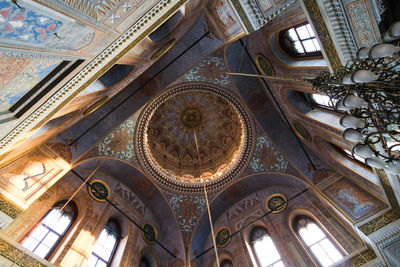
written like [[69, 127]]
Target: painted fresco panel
[[35, 26], [21, 80], [26, 175], [360, 17], [354, 201]]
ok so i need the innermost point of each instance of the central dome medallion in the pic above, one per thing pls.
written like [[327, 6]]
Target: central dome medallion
[[191, 132]]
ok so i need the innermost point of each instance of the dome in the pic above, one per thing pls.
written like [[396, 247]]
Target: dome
[[170, 126]]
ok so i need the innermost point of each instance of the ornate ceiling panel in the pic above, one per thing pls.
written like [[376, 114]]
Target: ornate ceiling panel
[[170, 126]]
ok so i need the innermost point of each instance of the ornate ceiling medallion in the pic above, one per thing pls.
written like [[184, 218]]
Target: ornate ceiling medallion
[[170, 126]]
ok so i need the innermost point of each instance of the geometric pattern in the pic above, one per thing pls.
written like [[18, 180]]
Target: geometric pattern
[[96, 9]]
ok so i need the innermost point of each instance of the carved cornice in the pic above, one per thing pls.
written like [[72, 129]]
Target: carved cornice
[[319, 24], [379, 222], [9, 208], [17, 256], [341, 28], [95, 68]]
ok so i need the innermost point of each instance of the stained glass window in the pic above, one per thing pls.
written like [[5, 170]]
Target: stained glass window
[[317, 241], [264, 248], [105, 246], [47, 234]]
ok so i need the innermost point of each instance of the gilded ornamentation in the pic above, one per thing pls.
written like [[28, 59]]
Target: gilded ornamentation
[[301, 131], [17, 256], [99, 190], [359, 259], [166, 148], [9, 208], [318, 21], [223, 237], [379, 222], [276, 203], [242, 15], [191, 117], [264, 65], [149, 233]]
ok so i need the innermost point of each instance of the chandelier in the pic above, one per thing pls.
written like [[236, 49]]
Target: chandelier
[[367, 92]]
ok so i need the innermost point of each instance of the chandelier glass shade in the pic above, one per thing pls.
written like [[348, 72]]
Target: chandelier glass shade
[[367, 92]]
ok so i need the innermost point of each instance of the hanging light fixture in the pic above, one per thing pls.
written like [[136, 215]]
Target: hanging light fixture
[[367, 92]]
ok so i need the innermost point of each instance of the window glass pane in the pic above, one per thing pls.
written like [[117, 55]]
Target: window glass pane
[[316, 232], [40, 232], [105, 245], [50, 239], [357, 157], [279, 264], [316, 44], [42, 250], [303, 32], [298, 47], [293, 35], [321, 255], [266, 251], [310, 31], [91, 261], [331, 250], [309, 46], [30, 243], [101, 264]]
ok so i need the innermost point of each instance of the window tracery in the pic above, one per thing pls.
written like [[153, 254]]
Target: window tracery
[[51, 229], [264, 248], [105, 246], [316, 240]]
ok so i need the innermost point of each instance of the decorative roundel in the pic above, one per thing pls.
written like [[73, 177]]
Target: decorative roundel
[[275, 203], [223, 237], [301, 131], [194, 132], [99, 190], [149, 233]]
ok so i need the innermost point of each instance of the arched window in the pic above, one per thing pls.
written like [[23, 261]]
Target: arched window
[[226, 263], [317, 241], [50, 230], [300, 41], [264, 249], [105, 246]]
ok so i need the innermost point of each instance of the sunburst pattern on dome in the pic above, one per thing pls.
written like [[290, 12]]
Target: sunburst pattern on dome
[[170, 126]]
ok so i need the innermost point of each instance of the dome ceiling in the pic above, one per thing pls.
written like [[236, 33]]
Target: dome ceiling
[[171, 125]]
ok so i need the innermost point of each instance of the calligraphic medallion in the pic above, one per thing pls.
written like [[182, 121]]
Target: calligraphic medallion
[[276, 203], [99, 190], [223, 237]]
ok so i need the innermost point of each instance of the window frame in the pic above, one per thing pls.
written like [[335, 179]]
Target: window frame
[[297, 55], [328, 236], [253, 251], [118, 239], [62, 236]]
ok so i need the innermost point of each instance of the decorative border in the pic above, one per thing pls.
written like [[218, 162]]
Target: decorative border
[[164, 179], [319, 24], [295, 125], [103, 183], [145, 238], [229, 239], [242, 14], [17, 256], [379, 222], [98, 66], [9, 208], [258, 56], [282, 208]]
